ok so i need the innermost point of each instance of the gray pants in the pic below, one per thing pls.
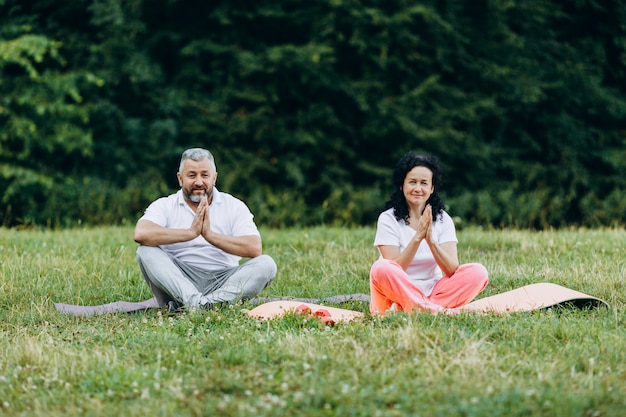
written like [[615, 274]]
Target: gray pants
[[169, 279]]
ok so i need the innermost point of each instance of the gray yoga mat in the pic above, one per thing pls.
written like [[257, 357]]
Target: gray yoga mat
[[129, 306]]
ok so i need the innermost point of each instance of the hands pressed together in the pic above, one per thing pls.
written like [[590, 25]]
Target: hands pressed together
[[445, 253], [425, 225], [244, 246], [201, 224]]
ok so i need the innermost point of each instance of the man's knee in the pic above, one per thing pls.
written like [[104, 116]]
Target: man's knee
[[147, 253], [268, 263], [263, 269], [267, 266]]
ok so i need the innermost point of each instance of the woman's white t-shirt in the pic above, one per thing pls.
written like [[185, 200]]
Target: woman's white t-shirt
[[423, 270]]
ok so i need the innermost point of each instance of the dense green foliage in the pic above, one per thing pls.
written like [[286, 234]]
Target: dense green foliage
[[307, 105]]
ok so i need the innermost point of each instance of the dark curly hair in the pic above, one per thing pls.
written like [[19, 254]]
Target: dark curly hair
[[406, 163]]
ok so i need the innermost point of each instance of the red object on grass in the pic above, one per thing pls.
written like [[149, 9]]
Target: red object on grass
[[302, 309], [322, 313], [328, 321], [325, 317]]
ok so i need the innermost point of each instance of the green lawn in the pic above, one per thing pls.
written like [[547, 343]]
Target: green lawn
[[558, 362]]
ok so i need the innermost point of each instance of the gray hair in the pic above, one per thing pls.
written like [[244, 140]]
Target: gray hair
[[196, 154]]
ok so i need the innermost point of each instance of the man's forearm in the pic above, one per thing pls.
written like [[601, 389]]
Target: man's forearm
[[151, 234], [244, 246]]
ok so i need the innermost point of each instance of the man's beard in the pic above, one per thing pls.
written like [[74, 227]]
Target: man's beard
[[195, 198]]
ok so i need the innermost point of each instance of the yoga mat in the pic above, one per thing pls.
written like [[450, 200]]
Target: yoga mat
[[129, 306], [275, 309], [526, 298], [533, 297], [116, 307]]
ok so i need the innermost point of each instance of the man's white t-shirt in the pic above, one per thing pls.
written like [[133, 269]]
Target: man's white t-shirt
[[229, 216], [423, 270]]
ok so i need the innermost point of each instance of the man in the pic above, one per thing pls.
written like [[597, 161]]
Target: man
[[191, 242]]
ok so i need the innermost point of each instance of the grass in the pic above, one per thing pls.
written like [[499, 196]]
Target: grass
[[558, 362]]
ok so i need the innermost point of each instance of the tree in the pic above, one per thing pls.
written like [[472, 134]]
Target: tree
[[308, 105], [43, 115]]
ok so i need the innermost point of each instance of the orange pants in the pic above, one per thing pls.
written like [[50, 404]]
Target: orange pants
[[389, 284]]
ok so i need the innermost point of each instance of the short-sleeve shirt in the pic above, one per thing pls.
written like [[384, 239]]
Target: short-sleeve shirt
[[423, 270], [229, 216]]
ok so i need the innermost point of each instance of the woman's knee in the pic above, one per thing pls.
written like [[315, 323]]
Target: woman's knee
[[382, 269], [476, 271], [376, 267]]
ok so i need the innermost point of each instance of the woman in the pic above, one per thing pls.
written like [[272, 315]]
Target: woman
[[419, 267]]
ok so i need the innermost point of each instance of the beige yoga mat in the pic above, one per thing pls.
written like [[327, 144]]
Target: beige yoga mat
[[275, 309], [534, 297], [526, 298]]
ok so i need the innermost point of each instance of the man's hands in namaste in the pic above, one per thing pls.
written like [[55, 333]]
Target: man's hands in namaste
[[201, 224]]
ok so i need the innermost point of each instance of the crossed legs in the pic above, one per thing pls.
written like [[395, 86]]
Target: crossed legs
[[390, 284], [194, 287]]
